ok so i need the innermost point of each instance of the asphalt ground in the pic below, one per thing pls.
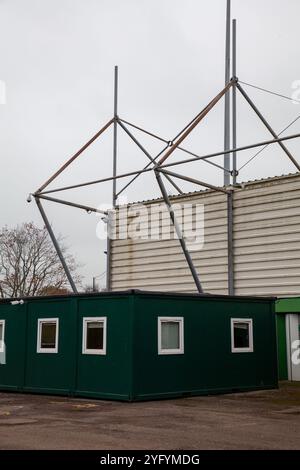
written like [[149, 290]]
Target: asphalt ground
[[256, 420]]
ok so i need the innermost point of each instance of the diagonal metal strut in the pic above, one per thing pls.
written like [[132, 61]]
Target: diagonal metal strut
[[178, 232], [56, 245], [267, 125]]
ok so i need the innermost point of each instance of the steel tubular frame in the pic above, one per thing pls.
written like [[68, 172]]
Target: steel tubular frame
[[56, 245], [183, 136], [227, 94], [230, 247], [138, 173], [238, 149], [178, 232], [169, 142], [71, 204], [114, 183], [267, 125], [160, 168], [193, 180], [234, 107], [181, 162], [195, 123], [152, 160], [115, 138], [71, 160]]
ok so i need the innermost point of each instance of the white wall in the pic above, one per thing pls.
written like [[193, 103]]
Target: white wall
[[266, 245]]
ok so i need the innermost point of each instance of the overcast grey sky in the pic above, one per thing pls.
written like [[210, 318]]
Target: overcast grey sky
[[57, 59]]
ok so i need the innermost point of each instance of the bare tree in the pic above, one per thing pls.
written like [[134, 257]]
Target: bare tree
[[29, 265]]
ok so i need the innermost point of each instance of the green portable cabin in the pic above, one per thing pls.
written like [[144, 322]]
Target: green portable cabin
[[288, 331], [136, 345]]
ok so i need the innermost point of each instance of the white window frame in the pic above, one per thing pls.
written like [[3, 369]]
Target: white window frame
[[162, 320], [41, 350], [2, 340], [250, 323], [85, 321]]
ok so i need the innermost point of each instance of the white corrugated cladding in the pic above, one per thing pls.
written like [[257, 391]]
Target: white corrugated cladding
[[267, 237], [266, 244]]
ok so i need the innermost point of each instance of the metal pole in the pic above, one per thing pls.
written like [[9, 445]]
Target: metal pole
[[192, 180], [108, 264], [230, 213], [234, 134], [144, 130], [230, 243], [79, 152], [227, 96], [146, 168], [174, 184], [239, 149], [72, 204], [56, 245], [261, 117], [115, 138], [201, 116], [140, 146], [90, 183], [179, 233], [108, 252], [167, 165], [159, 138], [170, 143], [114, 181]]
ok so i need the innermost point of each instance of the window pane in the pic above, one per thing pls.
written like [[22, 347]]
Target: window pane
[[48, 335], [170, 335], [1, 331], [241, 335], [94, 335]]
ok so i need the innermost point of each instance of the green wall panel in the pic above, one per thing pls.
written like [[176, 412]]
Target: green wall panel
[[12, 372], [289, 305], [282, 349], [48, 371], [110, 374], [208, 363]]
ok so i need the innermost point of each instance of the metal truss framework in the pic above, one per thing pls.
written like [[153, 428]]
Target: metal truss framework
[[158, 165]]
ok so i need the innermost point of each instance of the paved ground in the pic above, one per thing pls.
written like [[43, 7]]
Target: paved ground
[[257, 420]]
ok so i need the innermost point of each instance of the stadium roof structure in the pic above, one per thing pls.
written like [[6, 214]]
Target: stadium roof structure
[[162, 167]]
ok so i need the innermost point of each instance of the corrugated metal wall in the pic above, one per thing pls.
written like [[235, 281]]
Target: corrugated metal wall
[[267, 237], [266, 244]]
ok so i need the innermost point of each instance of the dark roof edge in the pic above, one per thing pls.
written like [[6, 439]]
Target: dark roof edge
[[137, 292]]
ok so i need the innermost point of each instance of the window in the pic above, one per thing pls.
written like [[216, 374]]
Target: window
[[47, 335], [241, 335], [2, 328], [170, 335], [94, 335]]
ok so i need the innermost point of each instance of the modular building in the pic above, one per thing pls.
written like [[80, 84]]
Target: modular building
[[288, 328], [136, 345]]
